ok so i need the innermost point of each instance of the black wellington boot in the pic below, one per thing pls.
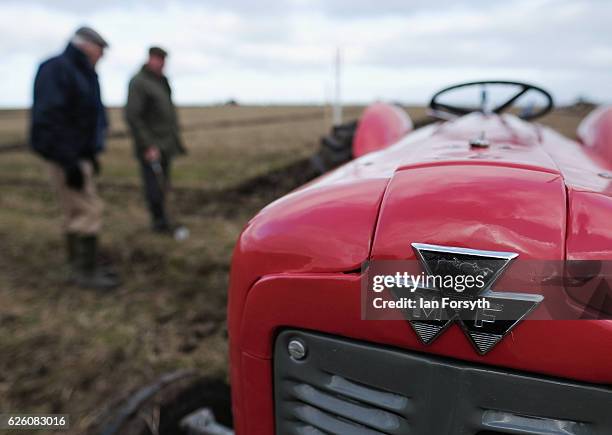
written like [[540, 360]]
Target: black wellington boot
[[72, 248], [87, 273], [161, 225]]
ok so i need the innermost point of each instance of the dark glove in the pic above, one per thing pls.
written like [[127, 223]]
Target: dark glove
[[74, 176], [96, 165]]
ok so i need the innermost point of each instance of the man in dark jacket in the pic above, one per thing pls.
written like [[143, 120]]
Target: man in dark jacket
[[67, 129], [153, 122]]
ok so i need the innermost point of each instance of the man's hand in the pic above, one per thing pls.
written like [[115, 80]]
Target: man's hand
[[152, 154], [74, 176]]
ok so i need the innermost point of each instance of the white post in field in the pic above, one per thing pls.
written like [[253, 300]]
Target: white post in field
[[337, 112]]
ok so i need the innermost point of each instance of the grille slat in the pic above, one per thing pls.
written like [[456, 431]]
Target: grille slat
[[389, 401], [372, 417], [510, 423], [323, 421], [356, 391]]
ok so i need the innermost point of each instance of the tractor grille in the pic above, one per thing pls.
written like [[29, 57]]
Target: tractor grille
[[346, 387]]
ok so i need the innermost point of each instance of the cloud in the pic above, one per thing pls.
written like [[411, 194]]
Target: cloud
[[283, 51]]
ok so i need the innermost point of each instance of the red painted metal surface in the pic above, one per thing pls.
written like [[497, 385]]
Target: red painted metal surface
[[589, 235], [300, 233], [532, 192], [380, 126], [595, 131], [495, 208]]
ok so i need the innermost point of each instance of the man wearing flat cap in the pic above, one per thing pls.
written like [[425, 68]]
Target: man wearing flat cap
[[67, 129], [152, 118]]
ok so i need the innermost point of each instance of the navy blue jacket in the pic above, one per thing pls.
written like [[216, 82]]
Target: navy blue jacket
[[68, 118]]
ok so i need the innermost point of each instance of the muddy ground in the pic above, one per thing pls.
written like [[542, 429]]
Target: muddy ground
[[66, 350]]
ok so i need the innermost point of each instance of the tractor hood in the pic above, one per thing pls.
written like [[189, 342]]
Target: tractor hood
[[481, 182], [483, 206]]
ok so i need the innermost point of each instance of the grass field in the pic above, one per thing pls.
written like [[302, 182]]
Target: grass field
[[65, 350]]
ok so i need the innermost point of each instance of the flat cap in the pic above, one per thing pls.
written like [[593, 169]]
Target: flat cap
[[157, 51], [89, 34]]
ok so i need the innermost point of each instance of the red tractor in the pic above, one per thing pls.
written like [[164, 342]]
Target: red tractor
[[475, 193], [304, 360]]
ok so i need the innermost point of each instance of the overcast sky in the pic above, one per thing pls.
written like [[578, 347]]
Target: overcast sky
[[282, 51]]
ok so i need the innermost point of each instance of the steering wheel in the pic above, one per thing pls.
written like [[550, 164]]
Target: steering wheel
[[436, 106]]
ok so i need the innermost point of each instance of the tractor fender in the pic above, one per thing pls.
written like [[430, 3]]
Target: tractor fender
[[380, 125], [595, 131]]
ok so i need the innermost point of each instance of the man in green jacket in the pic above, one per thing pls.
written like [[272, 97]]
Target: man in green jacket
[[152, 119]]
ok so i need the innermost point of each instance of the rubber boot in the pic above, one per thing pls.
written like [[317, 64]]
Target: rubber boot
[[161, 226], [86, 272], [72, 252], [72, 247]]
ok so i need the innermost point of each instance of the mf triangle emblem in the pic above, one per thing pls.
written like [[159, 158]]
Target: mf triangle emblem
[[485, 327]]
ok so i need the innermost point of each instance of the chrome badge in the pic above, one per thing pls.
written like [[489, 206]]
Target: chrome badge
[[485, 327]]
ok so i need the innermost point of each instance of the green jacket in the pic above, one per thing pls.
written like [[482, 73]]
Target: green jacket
[[151, 115]]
